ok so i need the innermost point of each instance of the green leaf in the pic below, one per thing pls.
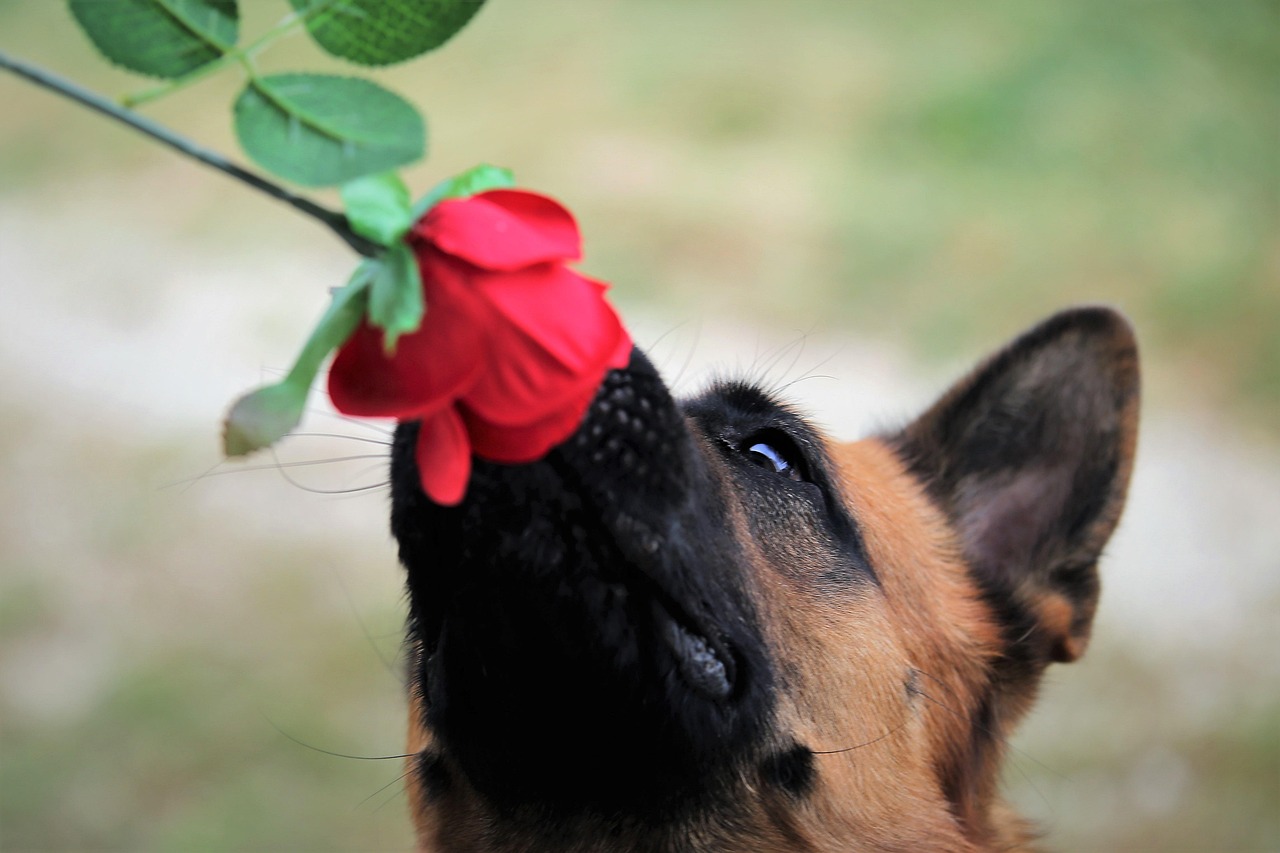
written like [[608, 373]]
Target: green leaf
[[377, 207], [395, 296], [382, 32], [261, 418], [318, 130], [160, 38], [477, 179]]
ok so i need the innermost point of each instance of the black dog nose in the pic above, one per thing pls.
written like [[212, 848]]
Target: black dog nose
[[633, 442]]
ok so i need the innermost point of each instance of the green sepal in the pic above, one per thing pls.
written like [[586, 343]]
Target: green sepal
[[383, 32], [319, 130], [378, 207], [395, 296], [475, 180], [263, 417], [159, 38]]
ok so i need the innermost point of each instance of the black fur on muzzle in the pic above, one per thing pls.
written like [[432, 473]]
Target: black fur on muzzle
[[581, 628]]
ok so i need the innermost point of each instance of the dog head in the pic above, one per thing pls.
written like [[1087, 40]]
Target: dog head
[[700, 625]]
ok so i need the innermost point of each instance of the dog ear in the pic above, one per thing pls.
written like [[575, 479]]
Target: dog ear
[[1030, 457]]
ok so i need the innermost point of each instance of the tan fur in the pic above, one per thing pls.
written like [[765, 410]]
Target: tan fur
[[890, 676], [418, 742], [882, 684], [903, 686]]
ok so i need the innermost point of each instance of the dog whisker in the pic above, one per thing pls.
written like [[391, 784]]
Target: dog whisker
[[766, 363], [348, 419], [1026, 635], [782, 389], [799, 348], [675, 380], [387, 663], [394, 794], [999, 737], [275, 466], [281, 469], [370, 468], [191, 481], [993, 734], [899, 727], [398, 780], [341, 435], [351, 492], [330, 752]]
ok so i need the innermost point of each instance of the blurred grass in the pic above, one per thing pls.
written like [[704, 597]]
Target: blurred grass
[[900, 168], [911, 171], [171, 662], [1175, 778]]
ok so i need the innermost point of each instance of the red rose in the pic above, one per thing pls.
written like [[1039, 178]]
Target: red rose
[[512, 347]]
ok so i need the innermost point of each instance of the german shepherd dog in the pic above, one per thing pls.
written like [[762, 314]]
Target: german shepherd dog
[[701, 626]]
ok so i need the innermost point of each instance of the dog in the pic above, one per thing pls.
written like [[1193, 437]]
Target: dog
[[702, 626]]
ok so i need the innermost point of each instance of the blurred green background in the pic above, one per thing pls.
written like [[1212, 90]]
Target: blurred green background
[[897, 187]]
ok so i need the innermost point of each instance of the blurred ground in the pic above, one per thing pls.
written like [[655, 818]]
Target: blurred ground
[[865, 197]]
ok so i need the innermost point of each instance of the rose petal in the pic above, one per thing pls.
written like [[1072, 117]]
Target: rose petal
[[502, 230], [563, 312], [430, 368], [443, 455], [556, 336], [621, 357], [518, 445]]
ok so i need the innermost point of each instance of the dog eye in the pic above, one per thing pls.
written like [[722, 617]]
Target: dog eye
[[771, 458]]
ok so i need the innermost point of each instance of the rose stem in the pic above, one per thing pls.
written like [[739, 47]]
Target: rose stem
[[336, 221]]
